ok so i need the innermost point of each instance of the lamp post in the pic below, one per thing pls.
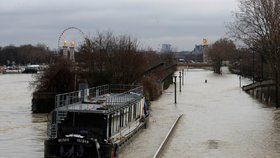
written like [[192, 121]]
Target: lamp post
[[175, 89], [240, 74], [180, 79], [276, 89], [183, 78], [253, 66]]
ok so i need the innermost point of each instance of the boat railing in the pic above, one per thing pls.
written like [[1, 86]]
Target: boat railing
[[118, 94], [126, 96], [97, 91], [68, 98]]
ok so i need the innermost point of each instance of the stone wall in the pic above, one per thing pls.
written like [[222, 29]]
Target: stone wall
[[264, 91]]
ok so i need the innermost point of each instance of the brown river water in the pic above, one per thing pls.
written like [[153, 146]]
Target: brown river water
[[219, 121]]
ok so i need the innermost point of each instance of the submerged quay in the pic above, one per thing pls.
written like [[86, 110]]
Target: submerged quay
[[220, 120]]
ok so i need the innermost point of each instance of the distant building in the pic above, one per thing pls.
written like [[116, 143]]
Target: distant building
[[205, 55], [205, 42], [200, 50], [166, 48], [69, 53]]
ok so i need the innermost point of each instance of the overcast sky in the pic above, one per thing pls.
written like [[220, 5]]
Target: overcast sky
[[182, 23]]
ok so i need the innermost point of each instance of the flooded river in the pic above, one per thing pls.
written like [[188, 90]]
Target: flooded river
[[21, 133], [219, 121]]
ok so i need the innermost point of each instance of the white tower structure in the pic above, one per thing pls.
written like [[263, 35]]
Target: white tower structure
[[72, 51], [65, 50], [69, 53]]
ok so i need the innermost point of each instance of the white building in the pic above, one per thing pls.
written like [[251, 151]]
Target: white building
[[69, 53]]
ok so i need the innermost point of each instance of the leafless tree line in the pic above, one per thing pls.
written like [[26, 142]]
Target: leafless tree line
[[25, 54], [257, 24]]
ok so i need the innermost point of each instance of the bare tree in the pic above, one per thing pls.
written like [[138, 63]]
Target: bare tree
[[257, 24], [58, 78], [223, 49], [113, 59]]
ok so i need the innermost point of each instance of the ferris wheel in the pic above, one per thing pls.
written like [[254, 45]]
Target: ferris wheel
[[71, 36]]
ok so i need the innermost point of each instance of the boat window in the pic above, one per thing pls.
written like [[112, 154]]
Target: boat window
[[115, 125], [134, 111], [86, 124], [120, 120], [126, 116], [138, 111], [129, 113]]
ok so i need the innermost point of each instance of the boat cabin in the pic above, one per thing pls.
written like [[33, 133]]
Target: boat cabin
[[103, 117]]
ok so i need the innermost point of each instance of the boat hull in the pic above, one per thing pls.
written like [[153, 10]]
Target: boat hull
[[60, 147], [76, 148]]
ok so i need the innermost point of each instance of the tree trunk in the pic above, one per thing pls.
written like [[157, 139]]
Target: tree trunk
[[277, 91]]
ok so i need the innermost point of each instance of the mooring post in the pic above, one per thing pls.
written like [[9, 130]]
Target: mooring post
[[175, 89], [180, 78], [239, 80]]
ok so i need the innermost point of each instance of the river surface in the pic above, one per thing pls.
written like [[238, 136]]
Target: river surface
[[21, 132], [219, 121]]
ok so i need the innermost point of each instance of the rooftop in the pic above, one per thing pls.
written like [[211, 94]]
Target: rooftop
[[102, 99]]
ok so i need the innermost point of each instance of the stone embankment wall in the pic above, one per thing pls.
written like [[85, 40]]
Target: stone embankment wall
[[155, 81], [264, 91]]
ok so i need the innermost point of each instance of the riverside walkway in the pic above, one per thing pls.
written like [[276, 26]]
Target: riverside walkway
[[220, 120]]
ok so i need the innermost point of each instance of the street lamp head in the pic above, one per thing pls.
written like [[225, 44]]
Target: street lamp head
[[174, 79]]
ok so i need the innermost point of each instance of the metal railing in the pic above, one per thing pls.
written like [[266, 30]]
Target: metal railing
[[115, 90], [126, 96], [258, 84], [98, 91], [68, 98]]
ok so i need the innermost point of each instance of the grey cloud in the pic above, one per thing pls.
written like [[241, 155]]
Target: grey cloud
[[181, 23]]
